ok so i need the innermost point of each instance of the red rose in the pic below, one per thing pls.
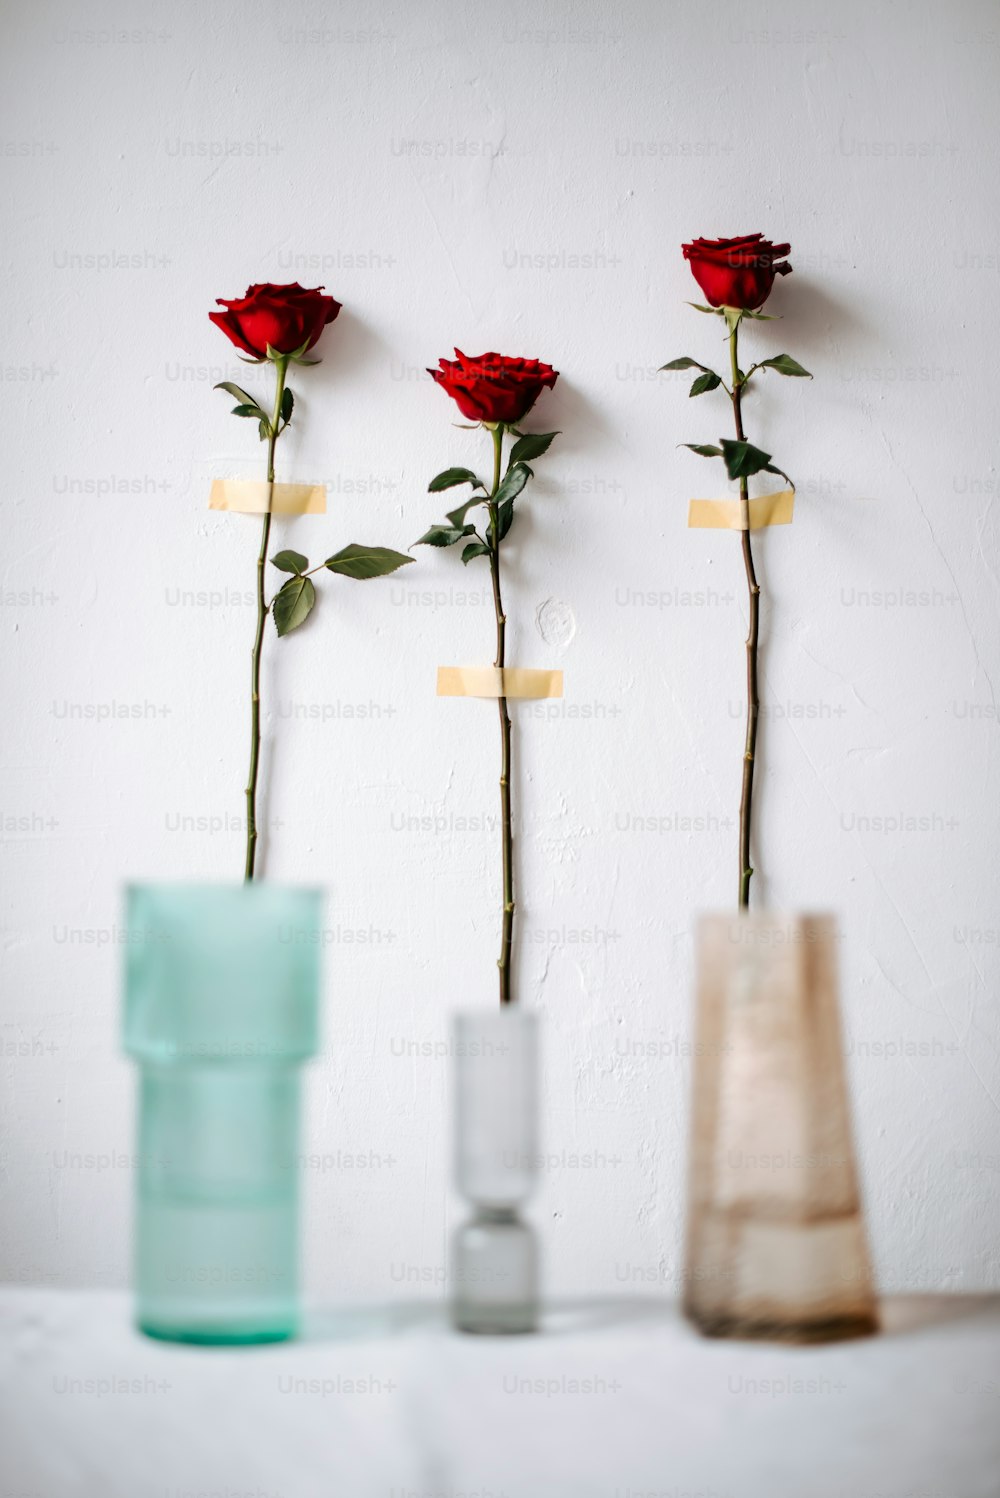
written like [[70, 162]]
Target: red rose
[[289, 318], [736, 272], [493, 388]]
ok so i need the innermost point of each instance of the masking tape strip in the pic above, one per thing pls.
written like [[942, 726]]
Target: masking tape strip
[[724, 514], [257, 496], [498, 681]]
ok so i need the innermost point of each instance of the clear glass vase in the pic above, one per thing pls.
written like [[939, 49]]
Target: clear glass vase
[[221, 1005], [494, 1269], [776, 1244]]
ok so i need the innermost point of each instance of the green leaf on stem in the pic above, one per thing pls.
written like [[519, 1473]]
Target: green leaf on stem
[[362, 562], [253, 411], [445, 535], [457, 516], [475, 549], [293, 603], [264, 429], [505, 519], [236, 391], [531, 445], [700, 307], [785, 364], [703, 450], [707, 381], [514, 481], [743, 459], [290, 561], [762, 316], [287, 402], [452, 476], [684, 363], [770, 468]]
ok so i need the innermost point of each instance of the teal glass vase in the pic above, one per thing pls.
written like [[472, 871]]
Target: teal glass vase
[[221, 1009]]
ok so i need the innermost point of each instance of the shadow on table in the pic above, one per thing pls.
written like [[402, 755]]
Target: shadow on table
[[560, 1318], [902, 1315]]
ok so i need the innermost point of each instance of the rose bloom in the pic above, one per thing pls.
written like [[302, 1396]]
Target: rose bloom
[[492, 387], [736, 272], [286, 317]]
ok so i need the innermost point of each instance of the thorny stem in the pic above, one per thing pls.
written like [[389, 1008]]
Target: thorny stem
[[753, 589], [507, 928], [281, 366]]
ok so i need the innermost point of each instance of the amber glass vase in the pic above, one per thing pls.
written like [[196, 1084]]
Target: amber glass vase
[[776, 1244]]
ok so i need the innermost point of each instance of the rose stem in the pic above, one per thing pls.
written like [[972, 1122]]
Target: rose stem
[[753, 589], [280, 366], [507, 936]]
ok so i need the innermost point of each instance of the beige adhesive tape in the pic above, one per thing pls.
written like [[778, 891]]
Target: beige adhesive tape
[[724, 514], [257, 496], [498, 681]]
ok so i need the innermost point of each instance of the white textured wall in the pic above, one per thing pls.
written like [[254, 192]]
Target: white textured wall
[[410, 156]]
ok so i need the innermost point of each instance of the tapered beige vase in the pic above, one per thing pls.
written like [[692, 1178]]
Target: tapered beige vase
[[776, 1243]]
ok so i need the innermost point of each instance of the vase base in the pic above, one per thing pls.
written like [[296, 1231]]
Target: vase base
[[217, 1336], [801, 1333], [497, 1322]]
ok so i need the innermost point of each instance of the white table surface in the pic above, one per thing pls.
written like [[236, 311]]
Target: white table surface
[[614, 1399]]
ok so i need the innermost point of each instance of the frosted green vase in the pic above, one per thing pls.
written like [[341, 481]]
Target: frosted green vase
[[221, 1007]]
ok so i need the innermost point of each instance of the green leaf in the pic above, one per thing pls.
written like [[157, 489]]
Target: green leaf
[[514, 481], [362, 562], [532, 445], [743, 459], [770, 468], [684, 363], [452, 476], [290, 561], [253, 411], [293, 603], [762, 316], [707, 381], [287, 402], [505, 518], [445, 535], [702, 450], [700, 307], [264, 429], [475, 549], [785, 364], [457, 516], [236, 391]]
